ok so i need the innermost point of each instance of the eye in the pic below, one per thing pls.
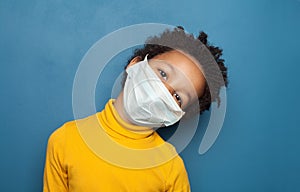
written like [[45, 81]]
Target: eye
[[177, 98], [163, 74]]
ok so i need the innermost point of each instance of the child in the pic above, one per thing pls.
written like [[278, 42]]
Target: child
[[118, 148]]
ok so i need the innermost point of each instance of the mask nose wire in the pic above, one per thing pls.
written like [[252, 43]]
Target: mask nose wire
[[170, 89], [172, 92]]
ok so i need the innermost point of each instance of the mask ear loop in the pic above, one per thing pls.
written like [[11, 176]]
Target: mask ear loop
[[146, 57]]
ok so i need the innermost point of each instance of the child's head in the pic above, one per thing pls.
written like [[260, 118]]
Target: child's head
[[192, 56]]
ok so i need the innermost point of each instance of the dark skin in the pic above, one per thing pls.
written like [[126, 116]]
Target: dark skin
[[179, 40], [180, 74]]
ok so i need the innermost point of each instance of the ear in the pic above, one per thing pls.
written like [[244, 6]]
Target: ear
[[134, 61]]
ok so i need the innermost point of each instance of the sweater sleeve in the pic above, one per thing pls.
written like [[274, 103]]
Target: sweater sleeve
[[55, 175], [178, 178]]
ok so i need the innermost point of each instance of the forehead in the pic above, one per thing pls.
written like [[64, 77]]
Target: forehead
[[180, 60]]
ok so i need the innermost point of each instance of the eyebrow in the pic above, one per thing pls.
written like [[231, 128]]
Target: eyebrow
[[167, 64]]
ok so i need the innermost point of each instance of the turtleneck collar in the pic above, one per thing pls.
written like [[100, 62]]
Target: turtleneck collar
[[116, 127]]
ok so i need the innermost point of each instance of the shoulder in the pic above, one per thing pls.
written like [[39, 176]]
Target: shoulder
[[63, 131], [68, 132], [178, 163]]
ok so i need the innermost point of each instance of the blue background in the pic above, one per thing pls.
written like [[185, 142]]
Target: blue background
[[42, 43]]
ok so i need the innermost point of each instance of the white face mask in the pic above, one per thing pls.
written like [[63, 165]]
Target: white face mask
[[147, 102]]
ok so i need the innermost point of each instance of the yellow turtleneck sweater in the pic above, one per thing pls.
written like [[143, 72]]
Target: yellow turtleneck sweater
[[100, 153]]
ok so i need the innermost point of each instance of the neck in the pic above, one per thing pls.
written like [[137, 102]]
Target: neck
[[118, 104]]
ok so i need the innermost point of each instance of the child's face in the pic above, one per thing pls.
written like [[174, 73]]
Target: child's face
[[181, 75]]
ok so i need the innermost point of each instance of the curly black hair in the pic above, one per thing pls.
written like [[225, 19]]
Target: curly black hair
[[201, 50]]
